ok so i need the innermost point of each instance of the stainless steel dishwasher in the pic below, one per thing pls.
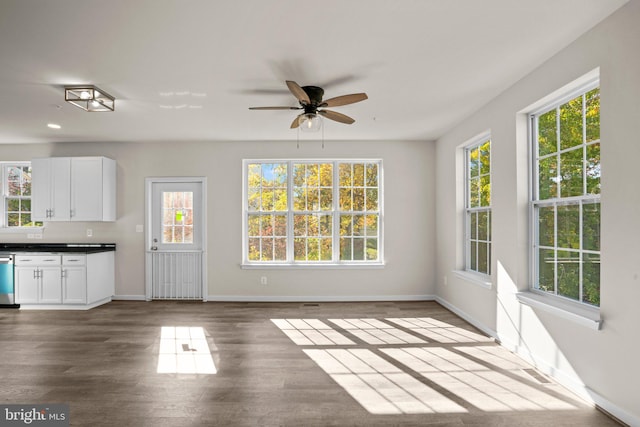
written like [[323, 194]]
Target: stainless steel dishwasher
[[7, 289]]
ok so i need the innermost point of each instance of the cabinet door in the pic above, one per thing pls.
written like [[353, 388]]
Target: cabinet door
[[74, 285], [50, 285], [50, 197], [26, 285], [61, 183], [86, 188], [41, 189]]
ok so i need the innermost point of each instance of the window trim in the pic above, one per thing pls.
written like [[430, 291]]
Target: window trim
[[475, 276], [577, 310], [291, 263], [4, 228]]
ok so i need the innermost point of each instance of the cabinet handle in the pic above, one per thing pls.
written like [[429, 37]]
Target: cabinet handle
[[63, 274]]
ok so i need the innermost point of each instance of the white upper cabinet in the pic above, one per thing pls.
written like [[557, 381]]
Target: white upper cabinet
[[73, 189]]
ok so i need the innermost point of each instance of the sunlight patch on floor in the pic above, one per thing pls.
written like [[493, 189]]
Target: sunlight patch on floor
[[487, 388], [375, 332], [379, 386], [311, 332], [436, 330], [184, 350]]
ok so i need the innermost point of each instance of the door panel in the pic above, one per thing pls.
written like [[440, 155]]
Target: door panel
[[175, 235]]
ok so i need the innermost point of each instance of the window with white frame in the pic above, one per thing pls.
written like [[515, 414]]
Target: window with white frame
[[312, 212], [16, 195], [478, 206], [566, 196]]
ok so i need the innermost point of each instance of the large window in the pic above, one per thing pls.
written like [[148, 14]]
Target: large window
[[16, 196], [478, 206], [312, 212], [566, 197]]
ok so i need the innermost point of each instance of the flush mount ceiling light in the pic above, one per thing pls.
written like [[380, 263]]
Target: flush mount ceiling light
[[89, 98]]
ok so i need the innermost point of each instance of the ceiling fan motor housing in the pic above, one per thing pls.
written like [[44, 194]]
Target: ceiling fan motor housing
[[315, 94]]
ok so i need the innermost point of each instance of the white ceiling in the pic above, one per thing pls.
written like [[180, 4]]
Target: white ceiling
[[189, 70]]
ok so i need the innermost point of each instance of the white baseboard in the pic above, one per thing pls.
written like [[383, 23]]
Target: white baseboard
[[320, 298], [129, 298], [568, 381]]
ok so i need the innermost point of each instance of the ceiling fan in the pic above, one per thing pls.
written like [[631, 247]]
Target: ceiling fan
[[310, 100]]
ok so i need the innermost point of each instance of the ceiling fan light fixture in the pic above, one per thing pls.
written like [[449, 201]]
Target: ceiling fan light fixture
[[89, 98], [310, 122]]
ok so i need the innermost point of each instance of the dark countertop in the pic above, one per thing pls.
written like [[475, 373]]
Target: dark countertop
[[86, 248]]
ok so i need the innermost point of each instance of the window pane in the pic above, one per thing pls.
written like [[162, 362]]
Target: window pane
[[571, 172], [253, 225], [345, 199], [474, 193], [345, 174], [569, 274], [484, 158], [548, 178], [591, 226], [372, 225], [473, 225], [345, 249], [372, 175], [474, 256], [483, 257], [358, 249], [372, 199], [358, 199], [546, 270], [592, 169], [13, 205], [592, 116], [591, 279], [280, 249], [569, 226], [546, 226], [474, 166], [547, 133], [358, 175], [372, 249], [482, 226], [485, 190], [571, 123]]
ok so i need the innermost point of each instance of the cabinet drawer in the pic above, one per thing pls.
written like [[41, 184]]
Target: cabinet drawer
[[74, 260], [37, 260]]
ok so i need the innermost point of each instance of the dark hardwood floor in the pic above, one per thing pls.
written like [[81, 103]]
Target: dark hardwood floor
[[401, 363]]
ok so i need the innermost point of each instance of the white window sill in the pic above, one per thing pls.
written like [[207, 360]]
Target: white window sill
[[479, 279], [585, 316], [319, 266]]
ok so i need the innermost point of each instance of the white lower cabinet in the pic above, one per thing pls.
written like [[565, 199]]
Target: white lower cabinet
[[64, 281], [74, 279], [38, 279]]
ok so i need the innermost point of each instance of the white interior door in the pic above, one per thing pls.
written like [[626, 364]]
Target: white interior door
[[175, 237]]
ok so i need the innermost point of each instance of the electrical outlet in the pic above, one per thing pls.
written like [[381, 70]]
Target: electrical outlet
[[89, 232], [139, 228], [38, 236], [30, 236], [263, 280]]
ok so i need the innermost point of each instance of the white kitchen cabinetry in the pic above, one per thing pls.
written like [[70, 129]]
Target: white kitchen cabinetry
[[38, 279], [67, 281], [74, 279], [73, 189]]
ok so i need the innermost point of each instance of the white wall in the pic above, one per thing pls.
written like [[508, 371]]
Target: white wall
[[601, 365], [409, 216]]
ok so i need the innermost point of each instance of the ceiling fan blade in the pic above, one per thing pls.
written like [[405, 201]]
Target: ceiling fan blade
[[296, 121], [344, 100], [275, 108], [338, 117], [298, 92]]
